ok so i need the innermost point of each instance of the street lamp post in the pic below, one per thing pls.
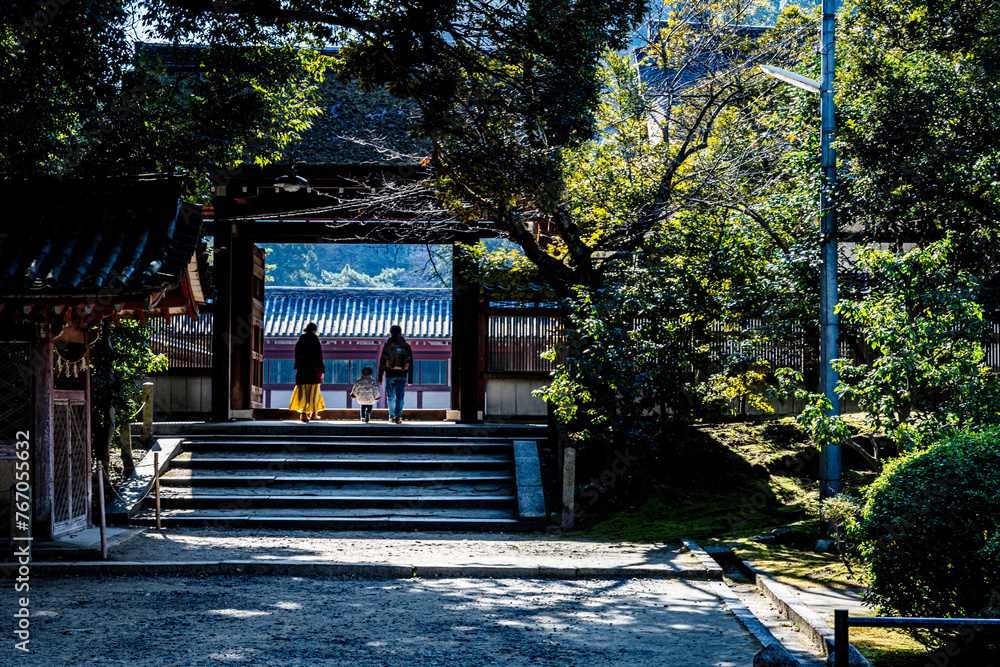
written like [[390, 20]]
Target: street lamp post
[[829, 324]]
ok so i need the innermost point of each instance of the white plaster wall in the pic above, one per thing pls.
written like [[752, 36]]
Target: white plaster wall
[[280, 398], [510, 398], [436, 400]]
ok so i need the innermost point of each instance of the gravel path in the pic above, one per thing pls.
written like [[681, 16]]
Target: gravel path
[[499, 549], [323, 621]]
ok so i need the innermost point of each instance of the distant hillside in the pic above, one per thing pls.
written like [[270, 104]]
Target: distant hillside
[[358, 265]]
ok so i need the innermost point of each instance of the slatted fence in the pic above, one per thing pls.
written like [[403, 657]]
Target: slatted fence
[[517, 338], [186, 342]]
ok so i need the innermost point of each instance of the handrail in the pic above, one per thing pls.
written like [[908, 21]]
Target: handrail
[[842, 623]]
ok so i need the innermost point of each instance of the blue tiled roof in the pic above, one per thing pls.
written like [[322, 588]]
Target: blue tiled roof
[[357, 312]]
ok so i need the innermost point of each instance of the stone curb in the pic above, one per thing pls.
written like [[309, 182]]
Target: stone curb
[[336, 569], [810, 623], [819, 631], [745, 616], [713, 569]]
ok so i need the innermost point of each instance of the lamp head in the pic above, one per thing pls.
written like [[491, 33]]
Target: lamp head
[[291, 182], [791, 77]]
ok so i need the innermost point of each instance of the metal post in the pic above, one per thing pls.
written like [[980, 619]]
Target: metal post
[[569, 487], [841, 642], [829, 324], [100, 504], [147, 412], [156, 487]]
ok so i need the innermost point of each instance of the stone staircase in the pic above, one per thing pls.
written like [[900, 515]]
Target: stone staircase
[[348, 476]]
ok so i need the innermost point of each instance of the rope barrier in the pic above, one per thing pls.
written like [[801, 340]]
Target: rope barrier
[[135, 414]]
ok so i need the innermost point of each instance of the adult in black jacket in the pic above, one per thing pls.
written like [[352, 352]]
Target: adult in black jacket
[[396, 364], [309, 369]]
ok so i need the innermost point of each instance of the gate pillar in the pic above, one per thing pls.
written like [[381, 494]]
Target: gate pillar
[[467, 389]]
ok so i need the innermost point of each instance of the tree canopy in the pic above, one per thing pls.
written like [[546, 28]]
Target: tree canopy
[[919, 98], [357, 265], [82, 98]]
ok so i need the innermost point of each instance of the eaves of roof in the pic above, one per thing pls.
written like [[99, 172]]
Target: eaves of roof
[[108, 239]]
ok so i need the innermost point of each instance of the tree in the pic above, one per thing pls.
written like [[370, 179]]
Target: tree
[[375, 265], [926, 376], [683, 239], [918, 91], [119, 363], [915, 106], [81, 100], [348, 277]]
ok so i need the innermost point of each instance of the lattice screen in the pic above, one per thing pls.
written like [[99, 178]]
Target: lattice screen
[[71, 456], [80, 459], [257, 321], [62, 441], [15, 388]]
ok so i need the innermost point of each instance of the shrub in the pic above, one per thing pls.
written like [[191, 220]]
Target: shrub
[[930, 530], [844, 512]]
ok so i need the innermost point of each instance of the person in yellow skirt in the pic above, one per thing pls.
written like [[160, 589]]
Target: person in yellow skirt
[[309, 370]]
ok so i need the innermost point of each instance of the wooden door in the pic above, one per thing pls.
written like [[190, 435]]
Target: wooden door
[[71, 483], [257, 325]]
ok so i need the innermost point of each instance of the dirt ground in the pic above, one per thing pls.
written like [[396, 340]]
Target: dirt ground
[[197, 544], [417, 622]]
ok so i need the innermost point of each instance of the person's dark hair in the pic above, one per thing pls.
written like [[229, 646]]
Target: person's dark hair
[[311, 327], [395, 330], [367, 370]]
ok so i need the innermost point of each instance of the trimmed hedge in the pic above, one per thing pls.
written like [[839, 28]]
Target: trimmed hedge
[[930, 530]]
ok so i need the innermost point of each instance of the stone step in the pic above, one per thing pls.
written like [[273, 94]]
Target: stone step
[[414, 502], [256, 477], [343, 462], [346, 476], [353, 519], [332, 446], [360, 489], [284, 429]]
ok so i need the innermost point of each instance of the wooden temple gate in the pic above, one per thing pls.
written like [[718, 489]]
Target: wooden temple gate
[[238, 335], [259, 205]]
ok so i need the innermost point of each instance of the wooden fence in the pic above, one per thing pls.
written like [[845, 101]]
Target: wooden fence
[[187, 343], [517, 338]]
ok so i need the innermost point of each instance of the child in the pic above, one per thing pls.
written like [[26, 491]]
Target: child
[[366, 391]]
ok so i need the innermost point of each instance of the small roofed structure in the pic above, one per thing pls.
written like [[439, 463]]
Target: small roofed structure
[[73, 253], [352, 326]]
